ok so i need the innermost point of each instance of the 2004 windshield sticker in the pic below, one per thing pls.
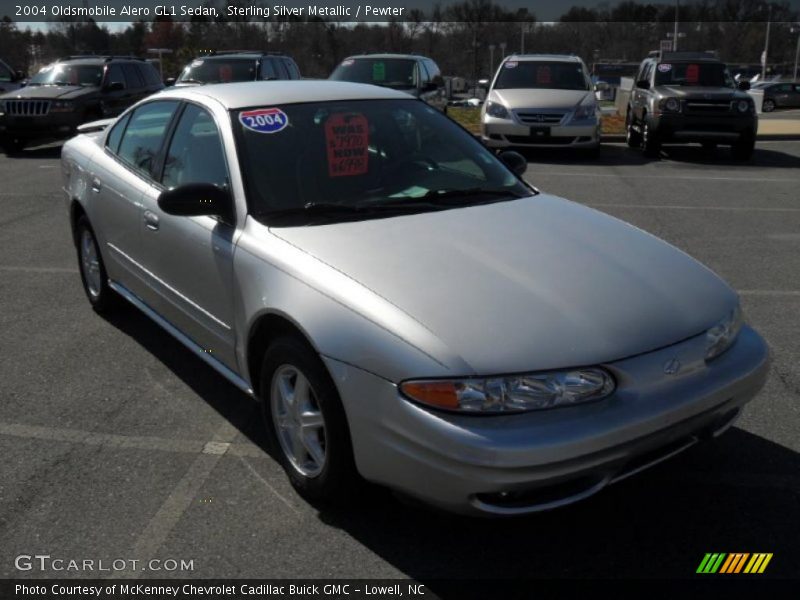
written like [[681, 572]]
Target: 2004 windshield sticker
[[264, 120], [347, 138]]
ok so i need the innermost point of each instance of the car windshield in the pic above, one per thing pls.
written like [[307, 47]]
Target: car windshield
[[353, 160], [395, 73], [700, 74], [66, 74], [219, 71], [541, 75]]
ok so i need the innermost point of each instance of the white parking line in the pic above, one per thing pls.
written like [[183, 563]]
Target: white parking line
[[11, 268], [776, 293]]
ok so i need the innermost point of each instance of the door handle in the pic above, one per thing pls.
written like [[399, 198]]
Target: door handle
[[96, 185], [151, 220]]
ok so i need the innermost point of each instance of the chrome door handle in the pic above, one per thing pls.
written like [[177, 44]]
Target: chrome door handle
[[151, 220], [96, 185]]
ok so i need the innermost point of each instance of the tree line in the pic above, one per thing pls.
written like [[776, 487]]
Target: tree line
[[463, 37]]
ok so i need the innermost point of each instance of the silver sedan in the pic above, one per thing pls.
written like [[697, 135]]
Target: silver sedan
[[407, 309]]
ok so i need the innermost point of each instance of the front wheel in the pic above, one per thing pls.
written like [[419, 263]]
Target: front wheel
[[93, 271], [651, 145], [632, 137], [306, 421], [12, 146], [768, 105], [744, 148]]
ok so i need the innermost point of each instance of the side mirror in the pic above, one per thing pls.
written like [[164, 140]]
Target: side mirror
[[514, 161], [430, 87], [743, 85], [18, 76], [601, 86], [114, 86], [643, 84], [483, 84], [195, 200], [169, 81]]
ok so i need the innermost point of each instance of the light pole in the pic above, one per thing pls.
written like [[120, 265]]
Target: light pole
[[766, 44], [524, 28], [160, 52], [502, 50], [491, 60], [675, 32], [796, 51]]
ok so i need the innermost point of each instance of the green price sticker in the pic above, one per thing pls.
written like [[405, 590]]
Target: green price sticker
[[378, 71]]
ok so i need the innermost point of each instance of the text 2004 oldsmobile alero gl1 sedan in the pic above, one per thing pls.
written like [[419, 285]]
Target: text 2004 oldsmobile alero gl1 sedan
[[407, 309]]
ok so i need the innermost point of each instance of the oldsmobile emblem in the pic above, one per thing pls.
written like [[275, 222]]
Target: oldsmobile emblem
[[672, 366]]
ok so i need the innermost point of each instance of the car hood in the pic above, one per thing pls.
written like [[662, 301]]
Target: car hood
[[528, 98], [536, 283], [705, 93], [62, 92]]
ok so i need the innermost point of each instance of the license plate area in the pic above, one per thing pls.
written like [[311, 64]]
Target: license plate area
[[539, 132]]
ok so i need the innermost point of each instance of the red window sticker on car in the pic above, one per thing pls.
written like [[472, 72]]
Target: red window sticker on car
[[543, 75], [692, 73], [347, 139], [225, 73]]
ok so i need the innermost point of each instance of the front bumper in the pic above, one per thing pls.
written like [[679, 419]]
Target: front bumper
[[53, 126], [517, 464], [706, 128], [503, 133]]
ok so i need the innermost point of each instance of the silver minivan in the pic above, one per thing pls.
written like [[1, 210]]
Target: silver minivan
[[541, 100]]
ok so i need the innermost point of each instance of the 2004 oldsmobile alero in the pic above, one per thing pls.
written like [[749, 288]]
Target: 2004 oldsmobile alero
[[406, 308]]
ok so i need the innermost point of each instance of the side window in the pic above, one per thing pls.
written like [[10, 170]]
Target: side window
[[195, 153], [280, 68], [648, 71], [114, 74], [112, 141], [268, 70], [425, 78], [144, 135], [133, 80], [435, 72], [5, 74], [149, 74]]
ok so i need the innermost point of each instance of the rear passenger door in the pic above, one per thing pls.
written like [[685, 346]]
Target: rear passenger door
[[134, 83], [115, 100], [190, 259]]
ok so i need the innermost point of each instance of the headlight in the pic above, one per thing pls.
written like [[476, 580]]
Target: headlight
[[743, 106], [722, 335], [62, 106], [496, 110], [517, 393], [670, 105], [585, 111]]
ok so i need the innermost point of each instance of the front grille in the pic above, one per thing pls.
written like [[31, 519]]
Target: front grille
[[540, 118], [27, 108], [708, 107]]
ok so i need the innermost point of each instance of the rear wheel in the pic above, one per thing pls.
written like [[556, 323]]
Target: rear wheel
[[12, 145], [306, 422], [651, 145], [768, 105]]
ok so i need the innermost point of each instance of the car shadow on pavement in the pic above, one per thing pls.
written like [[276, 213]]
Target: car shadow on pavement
[[40, 152], [620, 155], [739, 493]]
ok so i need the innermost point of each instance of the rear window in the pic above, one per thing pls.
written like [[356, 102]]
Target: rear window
[[219, 71], [388, 72], [541, 75], [150, 74]]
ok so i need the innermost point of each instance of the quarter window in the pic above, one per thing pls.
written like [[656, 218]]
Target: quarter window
[[112, 142], [195, 153], [115, 75], [144, 135], [132, 78]]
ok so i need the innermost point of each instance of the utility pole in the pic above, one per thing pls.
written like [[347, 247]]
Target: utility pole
[[796, 51], [491, 60], [502, 50], [675, 33], [766, 44]]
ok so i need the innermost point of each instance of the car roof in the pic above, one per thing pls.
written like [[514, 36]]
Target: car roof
[[544, 57], [388, 55], [269, 93], [240, 55]]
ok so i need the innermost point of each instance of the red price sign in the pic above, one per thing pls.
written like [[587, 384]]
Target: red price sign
[[692, 73], [347, 138], [543, 75]]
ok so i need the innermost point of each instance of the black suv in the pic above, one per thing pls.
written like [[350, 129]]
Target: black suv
[[416, 75], [70, 92], [238, 65], [681, 97]]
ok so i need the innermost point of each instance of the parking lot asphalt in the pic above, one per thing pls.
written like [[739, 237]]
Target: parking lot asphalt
[[105, 423]]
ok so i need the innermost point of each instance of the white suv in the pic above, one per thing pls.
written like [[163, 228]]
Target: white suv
[[541, 100]]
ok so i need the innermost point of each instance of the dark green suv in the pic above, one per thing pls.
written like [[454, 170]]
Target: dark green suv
[[70, 92], [683, 97]]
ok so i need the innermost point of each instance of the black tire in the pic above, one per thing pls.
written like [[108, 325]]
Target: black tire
[[768, 105], [651, 145], [632, 137], [744, 148], [102, 298], [12, 146], [709, 146], [337, 479]]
